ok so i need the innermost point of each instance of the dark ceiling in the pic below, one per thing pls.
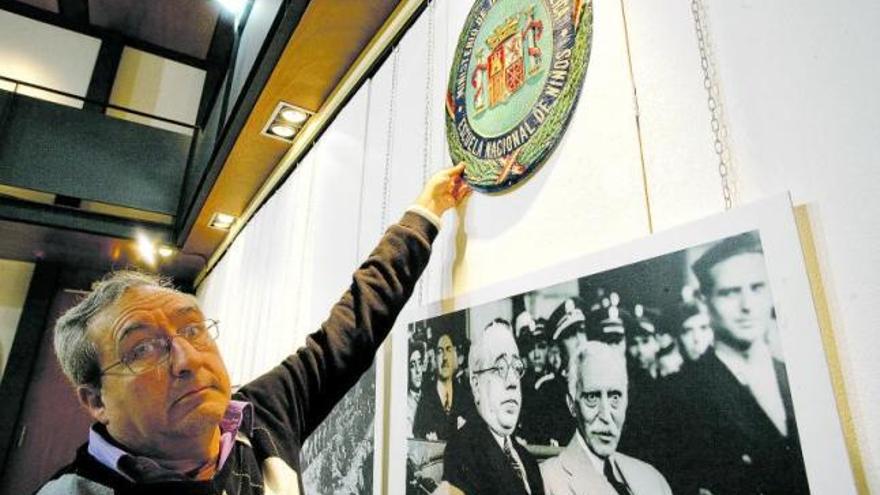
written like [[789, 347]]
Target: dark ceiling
[[311, 47], [184, 27]]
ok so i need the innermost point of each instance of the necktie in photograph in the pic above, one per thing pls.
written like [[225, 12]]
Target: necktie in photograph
[[515, 465], [619, 486]]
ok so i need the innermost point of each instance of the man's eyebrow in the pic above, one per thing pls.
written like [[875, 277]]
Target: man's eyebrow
[[130, 327], [187, 310]]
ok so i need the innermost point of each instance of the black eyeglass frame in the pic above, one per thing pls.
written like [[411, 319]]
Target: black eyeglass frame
[[508, 365]]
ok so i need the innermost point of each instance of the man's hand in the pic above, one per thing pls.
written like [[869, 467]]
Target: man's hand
[[444, 190]]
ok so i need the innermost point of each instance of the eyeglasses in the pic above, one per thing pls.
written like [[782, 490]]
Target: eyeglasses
[[147, 348], [503, 366]]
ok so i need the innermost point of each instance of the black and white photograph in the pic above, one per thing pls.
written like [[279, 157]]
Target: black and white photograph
[[338, 458], [664, 375]]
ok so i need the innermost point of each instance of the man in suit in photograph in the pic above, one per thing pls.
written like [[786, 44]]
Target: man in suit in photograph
[[736, 431], [446, 404], [483, 457], [598, 399]]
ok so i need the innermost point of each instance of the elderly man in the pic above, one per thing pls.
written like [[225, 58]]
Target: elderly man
[[736, 425], [483, 457], [597, 398], [144, 363]]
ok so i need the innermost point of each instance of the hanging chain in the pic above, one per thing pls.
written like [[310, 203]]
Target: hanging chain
[[389, 140], [719, 130], [428, 125], [429, 94]]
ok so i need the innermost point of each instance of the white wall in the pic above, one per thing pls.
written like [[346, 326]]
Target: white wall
[[46, 55], [798, 83], [157, 86], [15, 278]]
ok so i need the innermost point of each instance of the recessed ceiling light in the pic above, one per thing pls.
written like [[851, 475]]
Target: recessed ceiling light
[[282, 131], [222, 221], [294, 115], [286, 121], [146, 249], [236, 7]]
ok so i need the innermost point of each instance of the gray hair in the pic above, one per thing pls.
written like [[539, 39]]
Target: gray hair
[[476, 356], [76, 353], [593, 350]]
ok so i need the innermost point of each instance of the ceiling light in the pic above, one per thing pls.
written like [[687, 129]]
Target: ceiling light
[[285, 121], [235, 7], [165, 251], [146, 248], [282, 131], [294, 115], [222, 221]]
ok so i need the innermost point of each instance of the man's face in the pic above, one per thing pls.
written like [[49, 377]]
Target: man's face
[[538, 357], [696, 336], [498, 398], [448, 358], [415, 370], [187, 396], [739, 301], [554, 357], [600, 400], [644, 350]]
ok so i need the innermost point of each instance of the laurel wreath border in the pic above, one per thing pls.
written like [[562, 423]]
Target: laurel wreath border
[[482, 174]]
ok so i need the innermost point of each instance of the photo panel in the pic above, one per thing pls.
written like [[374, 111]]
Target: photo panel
[[675, 364]]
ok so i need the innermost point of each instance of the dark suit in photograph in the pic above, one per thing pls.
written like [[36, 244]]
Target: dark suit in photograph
[[724, 442], [433, 418], [475, 463]]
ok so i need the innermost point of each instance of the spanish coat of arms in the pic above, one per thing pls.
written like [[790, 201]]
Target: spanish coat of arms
[[516, 77]]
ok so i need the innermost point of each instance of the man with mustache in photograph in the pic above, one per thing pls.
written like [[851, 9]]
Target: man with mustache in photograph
[[598, 399], [483, 457]]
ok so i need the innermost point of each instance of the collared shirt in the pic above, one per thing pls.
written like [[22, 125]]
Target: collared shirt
[[110, 454], [598, 463], [755, 370]]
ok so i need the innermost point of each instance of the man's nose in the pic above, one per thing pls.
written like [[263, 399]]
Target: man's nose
[[184, 358], [604, 410]]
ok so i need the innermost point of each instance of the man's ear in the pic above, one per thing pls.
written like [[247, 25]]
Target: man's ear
[[474, 388], [570, 402], [90, 398]]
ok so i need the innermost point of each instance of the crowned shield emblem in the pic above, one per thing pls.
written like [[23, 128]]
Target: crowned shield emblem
[[515, 80]]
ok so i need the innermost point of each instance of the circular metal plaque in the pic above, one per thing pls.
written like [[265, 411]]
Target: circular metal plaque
[[515, 80]]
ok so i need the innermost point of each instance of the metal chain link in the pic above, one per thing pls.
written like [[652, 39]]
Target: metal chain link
[[719, 129], [429, 93], [428, 124], [389, 140]]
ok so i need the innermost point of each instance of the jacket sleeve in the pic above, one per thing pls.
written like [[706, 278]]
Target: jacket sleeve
[[299, 393]]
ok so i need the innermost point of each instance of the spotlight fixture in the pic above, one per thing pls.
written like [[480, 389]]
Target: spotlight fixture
[[146, 248], [235, 7], [165, 251], [286, 121], [222, 221], [282, 131]]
